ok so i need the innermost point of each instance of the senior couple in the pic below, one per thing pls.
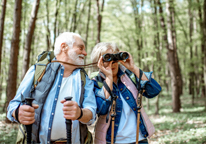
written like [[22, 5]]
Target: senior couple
[[49, 116]]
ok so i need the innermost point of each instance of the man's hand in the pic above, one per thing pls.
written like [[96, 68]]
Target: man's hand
[[26, 114], [71, 109]]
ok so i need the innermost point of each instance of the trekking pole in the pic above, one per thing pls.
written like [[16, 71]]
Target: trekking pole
[[139, 106], [113, 114], [68, 125], [29, 127]]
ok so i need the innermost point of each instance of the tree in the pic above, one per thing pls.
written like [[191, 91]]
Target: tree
[[202, 48], [12, 76], [99, 19], [2, 26], [169, 36], [55, 20], [191, 73], [48, 41], [157, 46], [2, 35], [87, 28], [74, 17], [204, 30], [175, 71], [137, 22], [29, 36]]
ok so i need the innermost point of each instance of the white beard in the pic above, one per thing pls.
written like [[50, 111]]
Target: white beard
[[76, 58]]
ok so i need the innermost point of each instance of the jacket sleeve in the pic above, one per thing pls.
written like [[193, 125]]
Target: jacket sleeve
[[23, 89], [89, 100], [103, 104], [152, 87]]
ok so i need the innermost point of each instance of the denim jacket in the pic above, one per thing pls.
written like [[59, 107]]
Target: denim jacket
[[152, 88]]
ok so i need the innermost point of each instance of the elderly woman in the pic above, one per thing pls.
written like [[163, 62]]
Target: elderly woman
[[118, 75]]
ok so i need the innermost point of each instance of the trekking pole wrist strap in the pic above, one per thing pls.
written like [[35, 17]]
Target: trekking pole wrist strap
[[80, 114], [17, 113]]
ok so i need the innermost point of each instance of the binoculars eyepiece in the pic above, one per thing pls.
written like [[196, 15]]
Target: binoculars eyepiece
[[115, 57]]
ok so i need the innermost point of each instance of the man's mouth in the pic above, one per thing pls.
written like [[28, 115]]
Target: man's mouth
[[81, 57]]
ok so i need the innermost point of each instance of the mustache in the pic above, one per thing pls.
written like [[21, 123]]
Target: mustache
[[81, 55]]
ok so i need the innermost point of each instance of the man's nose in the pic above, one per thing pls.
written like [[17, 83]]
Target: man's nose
[[84, 53]]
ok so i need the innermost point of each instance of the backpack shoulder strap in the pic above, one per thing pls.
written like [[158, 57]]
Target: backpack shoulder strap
[[98, 78], [83, 83], [43, 59], [133, 77]]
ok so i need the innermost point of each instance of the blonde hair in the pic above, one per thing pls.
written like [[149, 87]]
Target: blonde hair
[[100, 49]]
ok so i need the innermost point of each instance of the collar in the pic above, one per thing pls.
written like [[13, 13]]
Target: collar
[[120, 72]]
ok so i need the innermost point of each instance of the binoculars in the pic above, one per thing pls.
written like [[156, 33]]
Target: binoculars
[[115, 57]]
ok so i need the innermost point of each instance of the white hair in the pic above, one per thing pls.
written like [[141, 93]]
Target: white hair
[[100, 49], [66, 37]]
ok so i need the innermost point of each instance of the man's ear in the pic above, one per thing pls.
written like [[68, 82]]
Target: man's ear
[[64, 47]]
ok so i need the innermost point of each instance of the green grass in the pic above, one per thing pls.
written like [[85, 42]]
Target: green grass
[[188, 126], [8, 132]]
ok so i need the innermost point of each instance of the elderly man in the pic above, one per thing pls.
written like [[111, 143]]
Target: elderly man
[[49, 121]]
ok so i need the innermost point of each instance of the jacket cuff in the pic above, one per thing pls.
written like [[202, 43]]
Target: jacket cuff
[[149, 77]]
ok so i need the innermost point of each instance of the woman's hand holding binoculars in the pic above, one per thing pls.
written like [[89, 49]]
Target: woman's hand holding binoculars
[[129, 63], [106, 69]]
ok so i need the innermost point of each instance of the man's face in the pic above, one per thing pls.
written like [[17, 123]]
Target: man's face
[[77, 53]]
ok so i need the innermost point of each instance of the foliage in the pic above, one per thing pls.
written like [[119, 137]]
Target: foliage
[[8, 132], [178, 128]]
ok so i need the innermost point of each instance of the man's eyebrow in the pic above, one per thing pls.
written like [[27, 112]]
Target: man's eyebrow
[[80, 45]]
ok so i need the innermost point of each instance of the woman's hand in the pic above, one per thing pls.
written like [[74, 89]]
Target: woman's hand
[[105, 67], [129, 63]]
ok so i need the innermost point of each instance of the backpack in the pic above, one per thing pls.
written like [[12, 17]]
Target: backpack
[[43, 60]]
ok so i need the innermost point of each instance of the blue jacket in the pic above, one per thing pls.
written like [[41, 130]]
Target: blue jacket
[[152, 89]]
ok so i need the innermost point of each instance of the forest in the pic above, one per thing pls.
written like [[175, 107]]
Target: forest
[[167, 37]]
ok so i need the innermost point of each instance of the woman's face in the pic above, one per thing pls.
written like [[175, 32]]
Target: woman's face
[[114, 64]]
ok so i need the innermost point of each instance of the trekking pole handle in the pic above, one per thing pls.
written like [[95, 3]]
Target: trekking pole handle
[[29, 127], [68, 125]]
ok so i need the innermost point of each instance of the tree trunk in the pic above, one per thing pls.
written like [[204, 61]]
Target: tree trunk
[[55, 21], [29, 36], [3, 11], [202, 83], [87, 29], [48, 41], [158, 55], [172, 56], [73, 23], [191, 74], [137, 22], [99, 20], [170, 41], [13, 65], [196, 64], [79, 21], [204, 30], [67, 14]]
